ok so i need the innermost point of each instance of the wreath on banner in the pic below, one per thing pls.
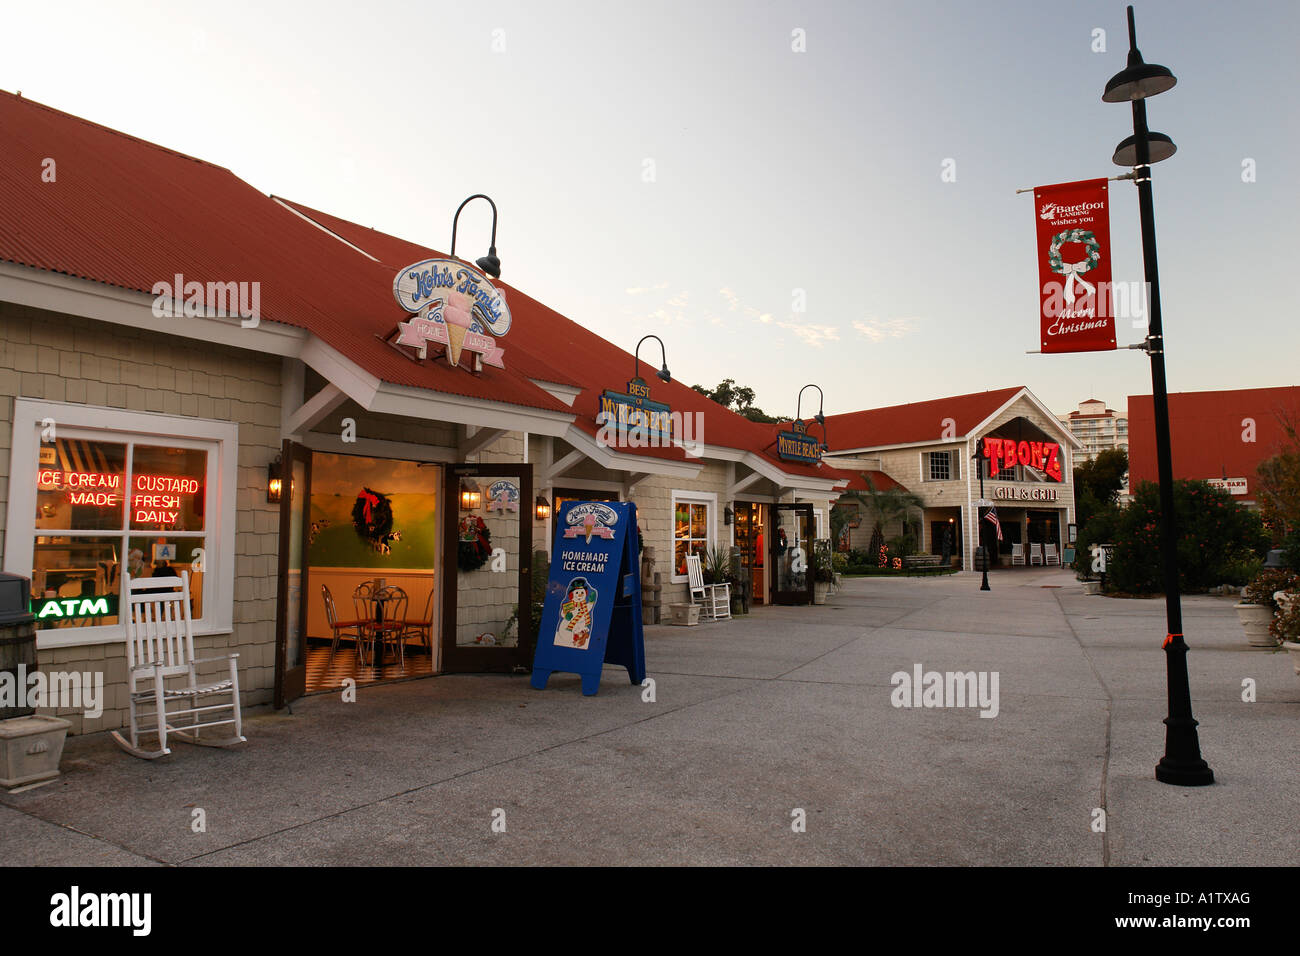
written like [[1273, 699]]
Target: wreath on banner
[[1073, 271], [372, 515], [475, 544]]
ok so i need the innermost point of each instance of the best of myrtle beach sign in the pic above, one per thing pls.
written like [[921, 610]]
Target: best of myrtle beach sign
[[1073, 245], [455, 305], [635, 412], [795, 445]]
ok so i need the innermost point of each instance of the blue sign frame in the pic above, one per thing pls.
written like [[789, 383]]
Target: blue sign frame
[[592, 614]]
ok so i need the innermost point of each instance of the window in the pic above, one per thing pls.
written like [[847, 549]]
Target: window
[[941, 466], [692, 528], [95, 493]]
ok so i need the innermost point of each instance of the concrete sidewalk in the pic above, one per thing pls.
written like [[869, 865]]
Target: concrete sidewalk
[[785, 708]]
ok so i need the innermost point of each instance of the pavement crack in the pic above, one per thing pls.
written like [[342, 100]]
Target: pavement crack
[[1105, 759]]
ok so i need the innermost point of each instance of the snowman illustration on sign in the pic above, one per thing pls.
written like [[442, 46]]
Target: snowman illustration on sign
[[574, 628]]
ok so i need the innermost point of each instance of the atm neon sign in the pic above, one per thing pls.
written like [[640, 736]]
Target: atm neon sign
[[1043, 456], [95, 606]]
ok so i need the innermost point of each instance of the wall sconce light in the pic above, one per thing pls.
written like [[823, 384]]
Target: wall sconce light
[[728, 516], [543, 508], [273, 483], [470, 496]]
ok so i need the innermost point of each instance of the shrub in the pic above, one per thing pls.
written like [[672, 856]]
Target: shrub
[[1268, 582], [1214, 532]]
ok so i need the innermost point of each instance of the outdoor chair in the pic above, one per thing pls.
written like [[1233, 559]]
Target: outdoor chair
[[715, 599], [1052, 557], [1017, 554], [355, 629], [1035, 554], [162, 671]]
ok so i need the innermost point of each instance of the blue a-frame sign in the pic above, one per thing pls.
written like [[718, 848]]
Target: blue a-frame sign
[[592, 613]]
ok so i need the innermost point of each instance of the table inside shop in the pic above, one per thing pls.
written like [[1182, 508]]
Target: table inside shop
[[380, 600]]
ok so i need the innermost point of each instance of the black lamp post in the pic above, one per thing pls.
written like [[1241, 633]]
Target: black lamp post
[[489, 263], [663, 374], [981, 552], [1182, 764], [819, 418]]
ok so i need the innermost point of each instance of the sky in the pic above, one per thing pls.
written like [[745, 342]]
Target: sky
[[761, 184]]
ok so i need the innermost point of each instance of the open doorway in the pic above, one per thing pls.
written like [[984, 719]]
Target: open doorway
[[371, 570]]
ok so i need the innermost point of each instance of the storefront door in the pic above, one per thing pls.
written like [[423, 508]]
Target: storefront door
[[488, 596], [291, 608], [791, 554]]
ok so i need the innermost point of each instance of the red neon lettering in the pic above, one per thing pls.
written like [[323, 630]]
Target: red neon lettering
[[167, 483], [993, 451], [90, 479], [1036, 454], [156, 517], [157, 501], [1008, 453], [1053, 466], [101, 498], [1022, 453]]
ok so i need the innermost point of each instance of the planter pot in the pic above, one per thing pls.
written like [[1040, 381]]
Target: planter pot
[[1255, 619], [685, 615], [820, 591], [1293, 648], [1091, 587], [30, 748]]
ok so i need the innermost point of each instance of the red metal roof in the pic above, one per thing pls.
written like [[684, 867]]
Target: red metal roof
[[879, 481], [916, 422], [128, 213], [1207, 432], [551, 347]]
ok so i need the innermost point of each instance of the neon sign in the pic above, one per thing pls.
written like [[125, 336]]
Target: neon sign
[[1039, 455], [157, 498], [98, 605]]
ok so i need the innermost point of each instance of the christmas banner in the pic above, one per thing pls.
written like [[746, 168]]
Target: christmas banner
[[1073, 245]]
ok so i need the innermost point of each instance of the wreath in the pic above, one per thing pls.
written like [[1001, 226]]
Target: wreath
[[1073, 271], [475, 544], [372, 516]]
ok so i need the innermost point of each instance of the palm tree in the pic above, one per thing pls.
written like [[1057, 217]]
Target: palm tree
[[890, 504]]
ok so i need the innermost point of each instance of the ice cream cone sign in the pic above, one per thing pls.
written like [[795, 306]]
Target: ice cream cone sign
[[455, 305], [457, 313]]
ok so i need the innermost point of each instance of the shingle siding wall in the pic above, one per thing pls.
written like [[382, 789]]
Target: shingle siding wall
[[55, 357]]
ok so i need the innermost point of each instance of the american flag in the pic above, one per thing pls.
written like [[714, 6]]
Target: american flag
[[993, 516]]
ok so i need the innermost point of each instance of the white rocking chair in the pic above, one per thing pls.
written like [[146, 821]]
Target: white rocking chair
[[1017, 554], [715, 599], [1035, 554], [160, 648], [1051, 555]]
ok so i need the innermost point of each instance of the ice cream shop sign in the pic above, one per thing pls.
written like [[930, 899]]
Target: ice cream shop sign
[[455, 306]]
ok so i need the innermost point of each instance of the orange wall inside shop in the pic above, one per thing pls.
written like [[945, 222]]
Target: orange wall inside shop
[[343, 581]]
